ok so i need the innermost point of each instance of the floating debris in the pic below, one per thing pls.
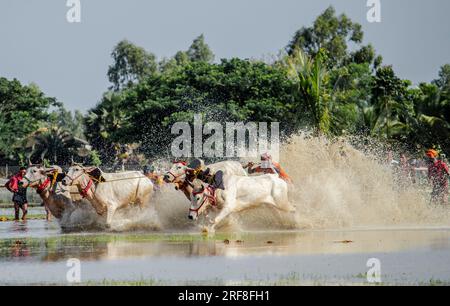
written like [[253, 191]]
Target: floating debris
[[344, 241]]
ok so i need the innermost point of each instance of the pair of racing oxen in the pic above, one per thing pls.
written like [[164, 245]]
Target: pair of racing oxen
[[110, 192]]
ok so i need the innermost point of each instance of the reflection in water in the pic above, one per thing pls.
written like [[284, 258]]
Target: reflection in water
[[92, 247], [20, 249], [416, 255], [29, 229], [19, 226]]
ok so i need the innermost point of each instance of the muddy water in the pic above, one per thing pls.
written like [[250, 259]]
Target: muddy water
[[36, 252], [31, 211]]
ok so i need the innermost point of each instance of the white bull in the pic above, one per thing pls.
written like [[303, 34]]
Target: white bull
[[55, 198], [179, 170], [119, 190], [179, 175], [241, 193]]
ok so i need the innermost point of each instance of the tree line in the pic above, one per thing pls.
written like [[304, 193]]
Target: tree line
[[316, 82]]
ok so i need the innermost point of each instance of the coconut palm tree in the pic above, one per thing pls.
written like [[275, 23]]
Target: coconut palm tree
[[110, 116], [104, 124], [432, 109], [56, 145], [311, 77]]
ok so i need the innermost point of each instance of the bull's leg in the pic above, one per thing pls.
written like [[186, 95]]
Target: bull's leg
[[144, 194], [286, 207], [283, 206], [100, 207], [228, 200], [281, 201], [109, 216], [144, 198], [222, 215]]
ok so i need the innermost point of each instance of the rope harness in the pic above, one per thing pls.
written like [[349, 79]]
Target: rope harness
[[46, 183], [175, 176], [209, 194], [41, 188], [84, 191]]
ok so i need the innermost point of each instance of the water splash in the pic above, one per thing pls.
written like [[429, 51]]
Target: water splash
[[337, 185], [341, 183], [81, 216]]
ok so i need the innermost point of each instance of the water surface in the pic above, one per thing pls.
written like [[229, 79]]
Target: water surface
[[36, 252]]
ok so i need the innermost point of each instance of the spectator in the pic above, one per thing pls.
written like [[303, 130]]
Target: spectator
[[407, 171], [438, 174], [19, 194]]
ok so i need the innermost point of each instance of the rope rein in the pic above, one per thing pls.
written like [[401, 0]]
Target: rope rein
[[115, 180]]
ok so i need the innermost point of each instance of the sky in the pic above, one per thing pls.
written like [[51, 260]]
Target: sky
[[69, 61]]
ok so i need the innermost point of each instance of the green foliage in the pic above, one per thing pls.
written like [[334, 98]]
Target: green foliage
[[94, 159], [22, 110], [392, 107], [104, 125], [351, 93], [131, 64], [432, 110], [71, 122], [311, 78], [199, 51], [329, 32], [55, 144], [233, 90], [443, 82]]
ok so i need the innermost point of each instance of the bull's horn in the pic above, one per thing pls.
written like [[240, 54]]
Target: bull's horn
[[50, 169], [29, 162]]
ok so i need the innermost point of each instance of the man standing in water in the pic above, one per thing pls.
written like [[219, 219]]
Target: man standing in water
[[20, 194], [438, 174]]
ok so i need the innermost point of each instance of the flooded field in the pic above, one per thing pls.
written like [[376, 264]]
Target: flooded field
[[36, 252]]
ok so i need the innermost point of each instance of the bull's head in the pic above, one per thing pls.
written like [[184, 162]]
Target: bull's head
[[37, 175], [177, 173], [76, 175], [80, 176], [202, 197]]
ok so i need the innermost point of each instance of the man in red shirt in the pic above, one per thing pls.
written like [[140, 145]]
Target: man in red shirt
[[20, 194], [438, 174]]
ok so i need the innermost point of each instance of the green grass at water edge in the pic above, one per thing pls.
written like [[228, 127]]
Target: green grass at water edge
[[10, 218]]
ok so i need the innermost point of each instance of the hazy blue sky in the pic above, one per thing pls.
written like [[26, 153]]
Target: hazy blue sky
[[70, 61]]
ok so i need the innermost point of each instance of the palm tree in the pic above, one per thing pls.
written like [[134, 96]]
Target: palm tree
[[104, 125], [56, 145], [388, 121], [311, 77], [432, 109], [392, 109]]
